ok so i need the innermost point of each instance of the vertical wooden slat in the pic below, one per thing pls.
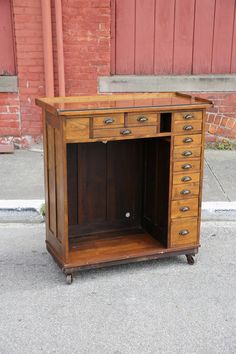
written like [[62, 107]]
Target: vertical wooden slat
[[203, 36], [223, 32], [164, 33], [233, 56], [183, 39], [125, 36], [51, 180], [72, 187], [144, 38]]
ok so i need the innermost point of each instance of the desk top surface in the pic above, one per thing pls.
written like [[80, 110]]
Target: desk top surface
[[97, 103]]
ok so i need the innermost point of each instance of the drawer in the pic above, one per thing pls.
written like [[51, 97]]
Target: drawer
[[77, 129], [184, 192], [186, 178], [181, 152], [187, 127], [187, 165], [142, 119], [187, 116], [109, 121], [184, 232], [125, 132], [188, 140], [184, 208]]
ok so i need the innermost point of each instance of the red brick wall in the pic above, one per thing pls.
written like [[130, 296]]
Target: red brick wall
[[86, 26]]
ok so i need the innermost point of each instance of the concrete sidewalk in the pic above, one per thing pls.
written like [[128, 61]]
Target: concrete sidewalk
[[21, 179]]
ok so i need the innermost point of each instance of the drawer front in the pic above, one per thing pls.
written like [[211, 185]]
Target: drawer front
[[109, 121], [77, 129], [187, 116], [142, 119], [184, 208], [188, 140], [125, 132], [187, 165], [186, 178], [185, 192], [187, 127], [181, 152], [183, 232]]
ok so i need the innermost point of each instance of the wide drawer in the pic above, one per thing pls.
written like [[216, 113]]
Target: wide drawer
[[188, 140], [187, 127], [125, 132], [181, 152], [184, 232], [185, 192], [187, 116], [134, 119], [109, 121], [184, 208], [187, 165], [186, 178]]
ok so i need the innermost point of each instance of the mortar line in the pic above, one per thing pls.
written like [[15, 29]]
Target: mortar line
[[217, 179]]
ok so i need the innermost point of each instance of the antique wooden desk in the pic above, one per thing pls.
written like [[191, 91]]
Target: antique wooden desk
[[123, 177]]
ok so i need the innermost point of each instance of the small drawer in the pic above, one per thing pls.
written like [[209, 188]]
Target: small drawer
[[187, 165], [125, 132], [188, 140], [187, 116], [186, 178], [142, 119], [184, 232], [109, 121], [185, 192], [188, 127], [184, 208], [181, 152]]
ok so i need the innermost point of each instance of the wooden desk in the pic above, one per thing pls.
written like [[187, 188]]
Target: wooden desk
[[123, 177]]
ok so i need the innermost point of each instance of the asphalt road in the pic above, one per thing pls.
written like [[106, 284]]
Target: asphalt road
[[163, 306]]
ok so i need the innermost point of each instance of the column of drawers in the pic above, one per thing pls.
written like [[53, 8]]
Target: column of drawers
[[186, 178]]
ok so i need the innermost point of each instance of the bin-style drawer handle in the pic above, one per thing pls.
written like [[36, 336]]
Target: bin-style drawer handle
[[183, 232], [184, 209], [185, 191], [142, 119], [109, 121], [125, 132], [188, 127], [188, 116], [186, 166], [186, 179], [188, 140], [187, 153]]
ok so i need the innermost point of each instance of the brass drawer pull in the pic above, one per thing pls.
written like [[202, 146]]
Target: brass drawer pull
[[188, 140], [186, 166], [185, 192], [125, 132], [183, 232], [184, 209], [109, 121], [187, 153], [188, 127], [186, 179], [188, 116], [142, 119]]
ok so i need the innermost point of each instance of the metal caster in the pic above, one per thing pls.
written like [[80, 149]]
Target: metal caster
[[190, 259], [69, 279]]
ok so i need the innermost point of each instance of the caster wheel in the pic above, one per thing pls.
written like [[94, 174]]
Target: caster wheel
[[190, 259], [69, 278]]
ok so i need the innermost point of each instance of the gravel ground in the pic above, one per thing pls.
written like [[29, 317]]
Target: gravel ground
[[163, 306]]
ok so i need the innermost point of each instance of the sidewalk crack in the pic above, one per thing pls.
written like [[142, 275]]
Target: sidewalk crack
[[217, 179]]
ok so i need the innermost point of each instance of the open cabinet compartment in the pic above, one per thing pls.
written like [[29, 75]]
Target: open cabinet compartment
[[118, 196]]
